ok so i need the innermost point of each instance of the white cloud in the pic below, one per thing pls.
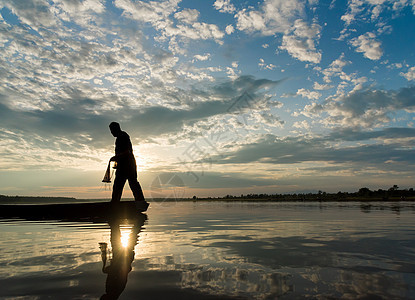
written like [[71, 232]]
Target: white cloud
[[158, 14], [187, 15], [336, 69], [81, 13], [303, 124], [301, 49], [383, 28], [320, 87], [224, 6], [356, 7], [152, 11], [284, 17], [196, 31], [98, 81], [310, 110], [229, 29], [368, 45], [264, 66], [250, 21], [232, 73], [202, 57], [266, 118], [199, 76], [274, 16], [303, 30], [395, 66], [398, 5], [358, 82], [312, 95], [300, 44], [410, 75]]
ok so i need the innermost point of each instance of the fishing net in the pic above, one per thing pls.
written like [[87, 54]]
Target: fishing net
[[107, 176]]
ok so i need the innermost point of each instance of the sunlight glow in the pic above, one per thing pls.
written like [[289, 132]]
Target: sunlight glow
[[125, 237], [142, 163]]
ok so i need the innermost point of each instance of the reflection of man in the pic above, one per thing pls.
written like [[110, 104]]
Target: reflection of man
[[126, 165], [122, 258]]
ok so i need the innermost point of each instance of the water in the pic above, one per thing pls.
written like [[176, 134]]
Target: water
[[214, 250]]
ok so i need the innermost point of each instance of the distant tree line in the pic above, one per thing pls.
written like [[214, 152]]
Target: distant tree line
[[393, 193], [363, 194], [16, 199]]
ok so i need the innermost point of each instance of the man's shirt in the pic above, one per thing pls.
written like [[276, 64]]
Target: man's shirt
[[123, 143], [126, 164]]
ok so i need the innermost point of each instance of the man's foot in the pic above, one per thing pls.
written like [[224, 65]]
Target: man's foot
[[142, 205]]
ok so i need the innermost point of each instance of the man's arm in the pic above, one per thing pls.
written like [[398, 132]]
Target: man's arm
[[118, 156]]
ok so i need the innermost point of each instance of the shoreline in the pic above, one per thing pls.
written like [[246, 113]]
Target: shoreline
[[34, 199]]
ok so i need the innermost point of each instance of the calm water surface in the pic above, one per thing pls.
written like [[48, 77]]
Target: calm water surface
[[215, 250]]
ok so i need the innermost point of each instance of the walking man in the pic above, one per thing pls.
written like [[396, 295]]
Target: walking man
[[126, 167]]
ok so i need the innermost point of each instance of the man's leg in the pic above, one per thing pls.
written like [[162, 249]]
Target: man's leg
[[136, 189], [119, 183]]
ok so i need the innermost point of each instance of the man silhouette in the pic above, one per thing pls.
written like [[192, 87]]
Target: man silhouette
[[126, 166]]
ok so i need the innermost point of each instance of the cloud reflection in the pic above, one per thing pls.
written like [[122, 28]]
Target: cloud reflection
[[219, 251]]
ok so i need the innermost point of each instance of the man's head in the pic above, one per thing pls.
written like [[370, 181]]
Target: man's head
[[115, 128]]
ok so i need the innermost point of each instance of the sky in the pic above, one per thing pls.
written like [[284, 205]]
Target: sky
[[219, 97]]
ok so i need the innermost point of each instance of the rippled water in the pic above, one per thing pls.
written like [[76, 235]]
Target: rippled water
[[209, 250]]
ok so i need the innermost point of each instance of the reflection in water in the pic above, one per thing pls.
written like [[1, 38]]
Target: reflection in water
[[122, 244], [218, 251]]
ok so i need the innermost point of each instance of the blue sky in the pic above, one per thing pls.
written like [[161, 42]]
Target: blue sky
[[226, 97]]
